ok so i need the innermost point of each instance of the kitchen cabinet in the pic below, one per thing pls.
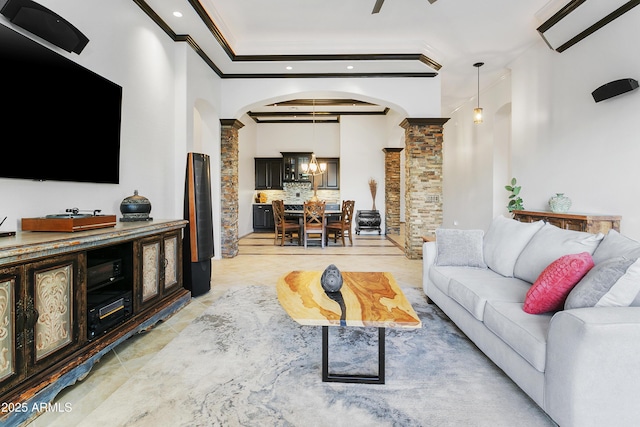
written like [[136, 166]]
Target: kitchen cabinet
[[268, 173], [263, 218], [292, 166], [331, 176]]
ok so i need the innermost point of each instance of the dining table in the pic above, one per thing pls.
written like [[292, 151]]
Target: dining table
[[333, 214]]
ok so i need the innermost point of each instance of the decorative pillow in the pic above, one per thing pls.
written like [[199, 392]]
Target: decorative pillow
[[612, 283], [614, 245], [505, 240], [550, 290], [549, 244], [459, 248]]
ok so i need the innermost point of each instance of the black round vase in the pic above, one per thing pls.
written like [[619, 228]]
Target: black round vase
[[135, 208], [331, 279]]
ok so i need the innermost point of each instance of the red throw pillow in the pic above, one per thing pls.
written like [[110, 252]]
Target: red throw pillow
[[551, 288]]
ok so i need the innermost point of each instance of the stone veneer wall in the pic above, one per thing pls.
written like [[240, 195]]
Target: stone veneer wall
[[229, 186], [392, 190], [423, 181]]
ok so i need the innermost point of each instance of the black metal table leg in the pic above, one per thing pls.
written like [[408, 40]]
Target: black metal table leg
[[352, 378]]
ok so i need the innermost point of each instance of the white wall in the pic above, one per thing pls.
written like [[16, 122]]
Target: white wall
[[197, 129], [565, 142], [320, 138], [473, 160], [247, 151], [127, 48], [416, 97], [560, 141], [361, 159]]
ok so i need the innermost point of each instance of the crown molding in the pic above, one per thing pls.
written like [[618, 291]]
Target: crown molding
[[226, 47]]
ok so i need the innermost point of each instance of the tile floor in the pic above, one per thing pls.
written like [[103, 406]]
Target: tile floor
[[259, 262]]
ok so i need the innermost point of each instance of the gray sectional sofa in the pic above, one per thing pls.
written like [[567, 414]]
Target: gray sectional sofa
[[579, 363]]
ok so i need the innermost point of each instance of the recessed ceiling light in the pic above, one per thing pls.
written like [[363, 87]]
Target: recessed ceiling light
[[289, 67], [177, 14], [349, 67]]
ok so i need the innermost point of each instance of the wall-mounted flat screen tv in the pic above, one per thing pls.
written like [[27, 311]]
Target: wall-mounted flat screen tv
[[60, 121]]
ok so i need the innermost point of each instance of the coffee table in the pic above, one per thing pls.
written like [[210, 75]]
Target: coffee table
[[366, 299]]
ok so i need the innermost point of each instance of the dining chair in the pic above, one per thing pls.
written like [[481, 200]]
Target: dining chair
[[282, 226], [314, 220], [342, 227]]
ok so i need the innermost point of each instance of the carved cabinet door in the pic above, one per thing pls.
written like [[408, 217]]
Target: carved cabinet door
[[172, 262], [160, 266], [150, 253], [51, 309], [12, 368]]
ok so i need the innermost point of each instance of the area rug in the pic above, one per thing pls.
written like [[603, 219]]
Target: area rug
[[244, 362]]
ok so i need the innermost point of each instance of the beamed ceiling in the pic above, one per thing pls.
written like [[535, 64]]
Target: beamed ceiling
[[251, 39]]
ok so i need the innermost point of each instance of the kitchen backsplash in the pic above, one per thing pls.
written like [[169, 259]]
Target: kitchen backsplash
[[295, 193]]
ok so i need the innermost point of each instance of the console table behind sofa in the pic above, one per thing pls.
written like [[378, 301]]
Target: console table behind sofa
[[591, 223]]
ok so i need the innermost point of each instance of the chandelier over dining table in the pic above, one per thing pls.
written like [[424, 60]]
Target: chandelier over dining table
[[314, 169]]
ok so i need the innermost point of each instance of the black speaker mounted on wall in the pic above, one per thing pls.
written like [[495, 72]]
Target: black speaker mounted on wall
[[614, 88], [45, 23], [198, 239]]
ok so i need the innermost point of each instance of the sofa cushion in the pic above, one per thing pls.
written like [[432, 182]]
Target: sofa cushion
[[459, 248], [612, 283], [473, 293], [551, 288], [614, 245], [549, 244], [439, 276], [442, 277], [505, 240], [525, 333]]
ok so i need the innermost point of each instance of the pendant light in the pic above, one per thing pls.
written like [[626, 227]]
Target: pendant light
[[314, 168], [477, 112]]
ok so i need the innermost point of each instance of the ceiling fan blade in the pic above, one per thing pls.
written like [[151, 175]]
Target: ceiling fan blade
[[378, 6], [432, 1]]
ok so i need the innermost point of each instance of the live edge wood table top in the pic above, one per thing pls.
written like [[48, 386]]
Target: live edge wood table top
[[366, 299], [370, 299]]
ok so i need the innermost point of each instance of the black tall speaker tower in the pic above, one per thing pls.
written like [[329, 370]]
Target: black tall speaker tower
[[198, 238]]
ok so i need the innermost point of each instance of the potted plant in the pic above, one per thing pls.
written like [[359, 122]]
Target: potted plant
[[515, 201]]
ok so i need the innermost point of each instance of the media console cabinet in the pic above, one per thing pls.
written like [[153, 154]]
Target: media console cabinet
[[48, 337]]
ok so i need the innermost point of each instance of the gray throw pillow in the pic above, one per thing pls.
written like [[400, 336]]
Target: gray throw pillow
[[505, 240], [459, 248], [612, 283], [614, 245], [549, 244]]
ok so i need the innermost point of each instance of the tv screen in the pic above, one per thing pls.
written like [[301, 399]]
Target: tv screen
[[60, 120]]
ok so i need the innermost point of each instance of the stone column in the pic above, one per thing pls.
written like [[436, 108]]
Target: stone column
[[229, 186], [392, 190], [423, 181]]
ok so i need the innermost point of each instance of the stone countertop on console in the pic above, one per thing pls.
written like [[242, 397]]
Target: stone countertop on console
[[27, 245]]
